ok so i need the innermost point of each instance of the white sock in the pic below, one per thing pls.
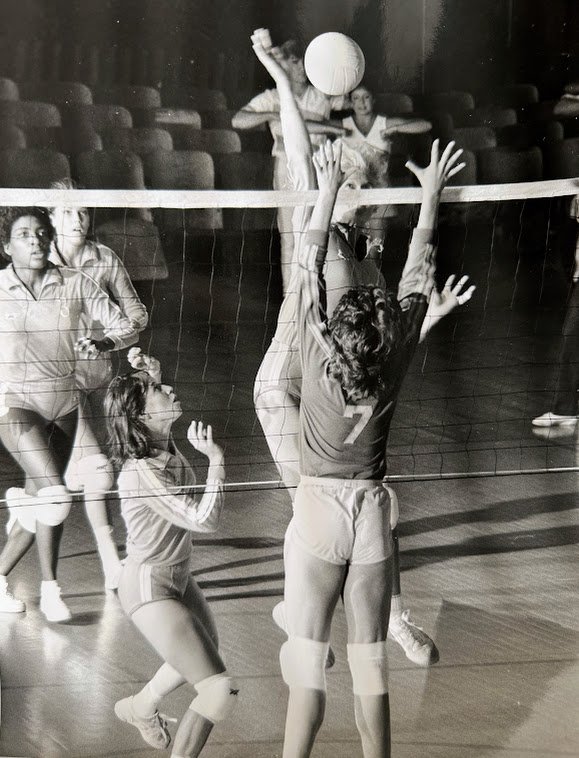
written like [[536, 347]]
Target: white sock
[[107, 548], [396, 606], [146, 701]]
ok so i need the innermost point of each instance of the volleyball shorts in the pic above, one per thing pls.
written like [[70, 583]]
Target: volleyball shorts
[[50, 398], [342, 520], [143, 583]]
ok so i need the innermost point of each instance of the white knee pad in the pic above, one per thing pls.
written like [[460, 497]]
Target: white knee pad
[[303, 663], [21, 508], [93, 473], [53, 504], [369, 668], [394, 513], [216, 697]]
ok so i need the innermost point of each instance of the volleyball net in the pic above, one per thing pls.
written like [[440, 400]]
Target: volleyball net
[[206, 265]]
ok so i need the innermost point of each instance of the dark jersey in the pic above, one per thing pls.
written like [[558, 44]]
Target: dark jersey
[[340, 439]]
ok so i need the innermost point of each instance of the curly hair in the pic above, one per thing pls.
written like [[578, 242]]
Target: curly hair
[[124, 404], [365, 329], [10, 214]]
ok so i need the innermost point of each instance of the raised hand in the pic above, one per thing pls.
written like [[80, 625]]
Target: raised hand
[[269, 56], [201, 438], [327, 165], [440, 169], [452, 295], [142, 362]]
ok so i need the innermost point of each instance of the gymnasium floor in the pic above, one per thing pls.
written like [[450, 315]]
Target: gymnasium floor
[[489, 562]]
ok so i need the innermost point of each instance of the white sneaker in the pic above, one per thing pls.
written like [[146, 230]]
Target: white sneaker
[[153, 730], [417, 645], [554, 419], [51, 604], [9, 603]]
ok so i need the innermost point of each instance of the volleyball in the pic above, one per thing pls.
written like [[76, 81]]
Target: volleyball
[[334, 63]]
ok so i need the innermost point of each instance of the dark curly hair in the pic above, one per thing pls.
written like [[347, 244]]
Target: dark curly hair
[[10, 214], [366, 329], [124, 404]]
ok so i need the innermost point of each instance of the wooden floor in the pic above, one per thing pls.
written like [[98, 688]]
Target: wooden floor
[[489, 558]]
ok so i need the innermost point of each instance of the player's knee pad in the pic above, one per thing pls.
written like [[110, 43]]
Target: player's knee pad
[[369, 668], [53, 504], [22, 508], [93, 473], [394, 512], [303, 663], [216, 697]]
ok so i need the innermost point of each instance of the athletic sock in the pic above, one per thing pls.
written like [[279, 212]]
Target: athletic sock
[[396, 606], [145, 702], [106, 546]]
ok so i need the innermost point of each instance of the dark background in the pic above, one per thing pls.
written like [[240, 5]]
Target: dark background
[[411, 46]]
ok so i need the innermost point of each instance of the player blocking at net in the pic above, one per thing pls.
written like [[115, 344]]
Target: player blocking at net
[[278, 383], [352, 367]]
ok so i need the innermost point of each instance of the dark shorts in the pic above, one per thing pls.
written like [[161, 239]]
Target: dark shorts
[[143, 583]]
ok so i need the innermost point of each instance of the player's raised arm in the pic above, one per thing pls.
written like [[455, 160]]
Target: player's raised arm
[[294, 130]]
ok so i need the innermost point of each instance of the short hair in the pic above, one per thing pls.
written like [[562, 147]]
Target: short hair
[[292, 48], [124, 404], [10, 214], [366, 330], [66, 183], [373, 162]]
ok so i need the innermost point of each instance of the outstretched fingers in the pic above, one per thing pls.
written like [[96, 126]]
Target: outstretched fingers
[[457, 289]]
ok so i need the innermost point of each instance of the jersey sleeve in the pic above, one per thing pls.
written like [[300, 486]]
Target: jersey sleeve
[[99, 307], [124, 293], [417, 282], [312, 327], [197, 514], [265, 102]]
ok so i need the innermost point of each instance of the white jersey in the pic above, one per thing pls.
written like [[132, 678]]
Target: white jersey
[[106, 269], [160, 510], [38, 334]]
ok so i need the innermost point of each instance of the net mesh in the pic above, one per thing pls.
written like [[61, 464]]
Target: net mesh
[[206, 265]]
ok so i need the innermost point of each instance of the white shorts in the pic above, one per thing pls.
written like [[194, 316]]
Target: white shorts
[[50, 398], [342, 520]]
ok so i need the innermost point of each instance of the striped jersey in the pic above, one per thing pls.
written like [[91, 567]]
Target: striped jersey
[[159, 509]]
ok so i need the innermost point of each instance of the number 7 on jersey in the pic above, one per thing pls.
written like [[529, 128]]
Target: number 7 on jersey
[[365, 413]]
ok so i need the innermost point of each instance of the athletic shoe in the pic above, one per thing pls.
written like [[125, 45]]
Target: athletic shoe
[[554, 419], [417, 645], [9, 603], [278, 615], [51, 604], [153, 730]]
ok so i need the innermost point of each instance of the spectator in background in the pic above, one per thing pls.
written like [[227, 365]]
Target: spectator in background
[[315, 108]]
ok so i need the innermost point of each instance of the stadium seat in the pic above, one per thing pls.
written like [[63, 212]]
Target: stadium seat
[[221, 119], [183, 170], [500, 166], [442, 125], [245, 171], [562, 159], [452, 102], [193, 98], [32, 168], [468, 175], [130, 233], [139, 140], [8, 89], [524, 136], [494, 118], [188, 137], [545, 109], [393, 103], [129, 96], [512, 96], [58, 93], [160, 117], [97, 116], [11, 137], [475, 137], [26, 112], [414, 146], [63, 139]]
